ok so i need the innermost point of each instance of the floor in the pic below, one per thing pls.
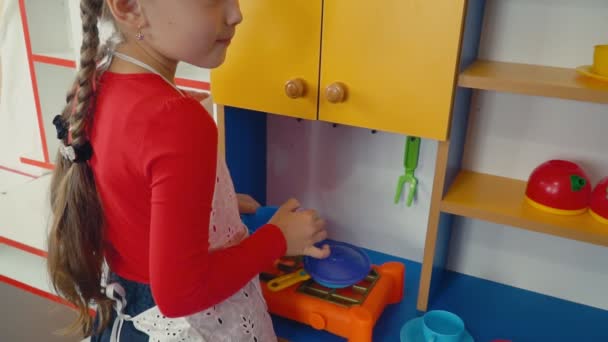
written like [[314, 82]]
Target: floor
[[28, 318]]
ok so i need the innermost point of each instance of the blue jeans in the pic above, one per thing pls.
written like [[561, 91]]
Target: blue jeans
[[139, 299]]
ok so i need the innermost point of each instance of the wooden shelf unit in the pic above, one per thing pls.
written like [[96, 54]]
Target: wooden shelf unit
[[487, 197], [536, 80], [502, 200]]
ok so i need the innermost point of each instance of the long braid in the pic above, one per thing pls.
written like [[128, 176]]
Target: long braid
[[90, 13], [75, 244]]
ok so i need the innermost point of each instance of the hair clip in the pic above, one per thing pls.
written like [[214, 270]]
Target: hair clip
[[61, 126], [76, 154], [67, 152]]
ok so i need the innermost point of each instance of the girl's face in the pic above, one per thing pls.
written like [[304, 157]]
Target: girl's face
[[194, 31]]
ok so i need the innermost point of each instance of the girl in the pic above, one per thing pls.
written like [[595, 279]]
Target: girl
[[138, 184]]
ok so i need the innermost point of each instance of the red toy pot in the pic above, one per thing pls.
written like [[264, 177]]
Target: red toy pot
[[599, 201], [559, 187]]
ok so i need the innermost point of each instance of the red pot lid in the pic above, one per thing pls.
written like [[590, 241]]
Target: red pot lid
[[559, 184], [599, 199]]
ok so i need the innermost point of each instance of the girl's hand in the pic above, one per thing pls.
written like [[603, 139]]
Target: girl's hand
[[247, 205], [302, 229]]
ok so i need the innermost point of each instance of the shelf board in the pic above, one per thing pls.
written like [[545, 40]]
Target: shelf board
[[536, 80], [501, 200]]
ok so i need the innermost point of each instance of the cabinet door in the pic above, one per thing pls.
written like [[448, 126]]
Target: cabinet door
[[277, 43], [397, 61]]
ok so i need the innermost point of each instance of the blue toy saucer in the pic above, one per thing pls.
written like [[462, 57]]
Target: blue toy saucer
[[412, 332], [345, 266]]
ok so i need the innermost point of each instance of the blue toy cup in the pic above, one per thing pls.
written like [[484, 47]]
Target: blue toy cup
[[442, 326]]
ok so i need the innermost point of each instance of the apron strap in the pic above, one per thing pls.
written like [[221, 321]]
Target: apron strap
[[120, 302]]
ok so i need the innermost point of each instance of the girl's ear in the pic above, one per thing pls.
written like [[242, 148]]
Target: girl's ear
[[127, 13]]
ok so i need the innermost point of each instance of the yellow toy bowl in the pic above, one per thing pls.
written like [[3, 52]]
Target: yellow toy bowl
[[599, 69]]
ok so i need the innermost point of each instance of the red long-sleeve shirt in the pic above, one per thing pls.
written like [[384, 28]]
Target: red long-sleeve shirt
[[154, 161]]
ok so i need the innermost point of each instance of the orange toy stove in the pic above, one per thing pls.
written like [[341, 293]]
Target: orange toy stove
[[349, 312]]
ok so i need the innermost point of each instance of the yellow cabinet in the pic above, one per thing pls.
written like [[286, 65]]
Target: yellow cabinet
[[276, 47], [388, 65], [397, 60]]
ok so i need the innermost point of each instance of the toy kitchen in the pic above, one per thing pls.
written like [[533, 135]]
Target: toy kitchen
[[308, 68], [344, 294], [317, 97]]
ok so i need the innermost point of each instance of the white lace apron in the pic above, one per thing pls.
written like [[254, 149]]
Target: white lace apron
[[242, 317]]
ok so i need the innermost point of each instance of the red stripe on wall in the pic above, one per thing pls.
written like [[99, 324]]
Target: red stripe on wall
[[38, 163], [192, 84], [23, 247], [40, 293], [17, 172], [28, 47], [54, 61], [35, 291]]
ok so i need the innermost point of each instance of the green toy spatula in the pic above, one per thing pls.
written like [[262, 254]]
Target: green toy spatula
[[410, 162]]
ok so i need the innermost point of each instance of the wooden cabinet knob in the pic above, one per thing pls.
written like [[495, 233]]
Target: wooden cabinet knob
[[335, 92], [295, 88]]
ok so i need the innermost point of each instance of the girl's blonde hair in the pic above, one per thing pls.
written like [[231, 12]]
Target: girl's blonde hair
[[75, 244]]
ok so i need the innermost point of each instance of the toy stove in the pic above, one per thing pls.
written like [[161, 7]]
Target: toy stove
[[349, 312]]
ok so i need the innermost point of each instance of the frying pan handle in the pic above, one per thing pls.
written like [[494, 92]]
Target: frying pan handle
[[285, 281]]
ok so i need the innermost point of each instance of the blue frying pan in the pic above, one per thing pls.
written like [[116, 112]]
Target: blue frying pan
[[346, 265]]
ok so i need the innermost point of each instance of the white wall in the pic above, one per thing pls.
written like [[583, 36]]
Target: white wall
[[19, 135], [350, 175], [24, 209]]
